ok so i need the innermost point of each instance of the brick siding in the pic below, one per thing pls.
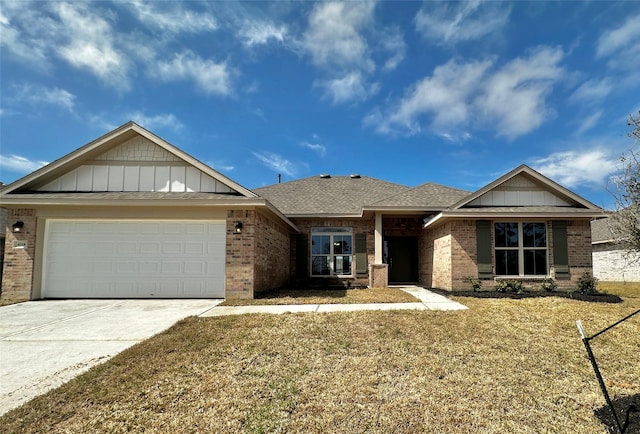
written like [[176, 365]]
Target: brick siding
[[17, 276], [272, 254], [448, 254], [258, 258], [611, 264], [359, 226]]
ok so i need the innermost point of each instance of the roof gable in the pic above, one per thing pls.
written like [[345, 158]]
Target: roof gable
[[128, 158], [521, 187]]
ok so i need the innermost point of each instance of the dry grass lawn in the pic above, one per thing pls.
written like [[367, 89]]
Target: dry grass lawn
[[336, 296], [503, 366]]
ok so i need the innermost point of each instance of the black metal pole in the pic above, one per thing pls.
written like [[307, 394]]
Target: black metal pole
[[603, 387]]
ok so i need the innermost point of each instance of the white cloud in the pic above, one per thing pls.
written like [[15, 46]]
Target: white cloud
[[351, 87], [449, 23], [276, 163], [511, 100], [394, 44], [156, 122], [574, 168], [592, 90], [515, 96], [445, 95], [260, 33], [620, 38], [173, 18], [316, 147], [211, 77], [333, 38], [221, 166], [89, 44], [20, 164], [21, 27], [39, 95], [589, 122]]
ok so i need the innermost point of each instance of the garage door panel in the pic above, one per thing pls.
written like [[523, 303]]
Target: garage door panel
[[134, 259]]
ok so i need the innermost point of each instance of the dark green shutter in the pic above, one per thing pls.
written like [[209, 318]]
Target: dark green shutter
[[560, 248], [361, 254], [483, 240], [302, 255]]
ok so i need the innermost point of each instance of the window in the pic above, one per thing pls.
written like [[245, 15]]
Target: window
[[521, 248], [331, 251]]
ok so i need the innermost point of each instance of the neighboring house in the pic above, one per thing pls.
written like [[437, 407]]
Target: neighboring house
[[131, 216], [610, 262]]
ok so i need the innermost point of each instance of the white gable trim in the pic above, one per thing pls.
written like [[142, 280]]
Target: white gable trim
[[551, 186], [74, 159]]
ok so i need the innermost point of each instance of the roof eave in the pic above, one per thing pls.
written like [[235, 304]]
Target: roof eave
[[25, 200], [510, 215], [391, 209]]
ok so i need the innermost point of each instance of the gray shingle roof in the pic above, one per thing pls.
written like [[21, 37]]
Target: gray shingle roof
[[337, 195], [601, 231], [428, 196]]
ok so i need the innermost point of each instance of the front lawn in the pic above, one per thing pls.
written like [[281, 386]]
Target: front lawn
[[504, 365], [326, 296]]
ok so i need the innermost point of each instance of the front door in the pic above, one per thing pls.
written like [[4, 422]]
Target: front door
[[402, 257]]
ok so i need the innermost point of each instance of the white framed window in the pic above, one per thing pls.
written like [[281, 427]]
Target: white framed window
[[331, 252], [521, 248]]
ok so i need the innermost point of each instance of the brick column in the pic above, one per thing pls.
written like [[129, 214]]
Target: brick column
[[378, 275], [240, 257], [19, 254]]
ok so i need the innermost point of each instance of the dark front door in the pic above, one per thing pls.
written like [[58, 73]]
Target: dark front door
[[402, 257]]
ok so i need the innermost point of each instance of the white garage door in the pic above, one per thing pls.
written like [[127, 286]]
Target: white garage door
[[134, 259]]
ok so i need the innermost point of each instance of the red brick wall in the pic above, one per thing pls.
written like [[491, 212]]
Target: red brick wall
[[366, 226], [258, 258], [464, 253], [272, 244], [440, 240], [449, 253], [580, 251], [240, 257], [17, 276]]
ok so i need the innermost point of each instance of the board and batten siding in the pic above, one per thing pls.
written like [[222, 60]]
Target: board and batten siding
[[519, 191], [121, 177], [137, 165]]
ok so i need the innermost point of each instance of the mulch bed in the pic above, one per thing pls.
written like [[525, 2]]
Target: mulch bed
[[594, 298]]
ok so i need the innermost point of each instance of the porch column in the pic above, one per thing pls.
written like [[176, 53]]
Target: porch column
[[378, 239], [378, 272]]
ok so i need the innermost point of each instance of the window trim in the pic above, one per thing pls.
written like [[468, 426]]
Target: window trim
[[331, 232], [521, 249]]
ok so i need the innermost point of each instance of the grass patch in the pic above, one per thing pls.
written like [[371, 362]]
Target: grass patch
[[326, 296], [621, 289], [504, 365]]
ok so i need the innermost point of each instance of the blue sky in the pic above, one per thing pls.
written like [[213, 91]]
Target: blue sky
[[453, 93]]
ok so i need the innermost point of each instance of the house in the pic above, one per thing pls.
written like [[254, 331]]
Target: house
[[610, 262], [131, 216]]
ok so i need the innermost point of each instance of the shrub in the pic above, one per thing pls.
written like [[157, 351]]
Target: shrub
[[548, 284], [475, 283], [587, 284], [510, 286]]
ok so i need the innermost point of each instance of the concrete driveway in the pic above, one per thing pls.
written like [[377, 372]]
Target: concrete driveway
[[43, 344]]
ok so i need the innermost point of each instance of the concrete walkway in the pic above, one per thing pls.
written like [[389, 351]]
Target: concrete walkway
[[428, 301]]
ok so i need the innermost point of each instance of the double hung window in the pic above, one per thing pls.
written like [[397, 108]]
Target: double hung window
[[521, 248], [331, 251]]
